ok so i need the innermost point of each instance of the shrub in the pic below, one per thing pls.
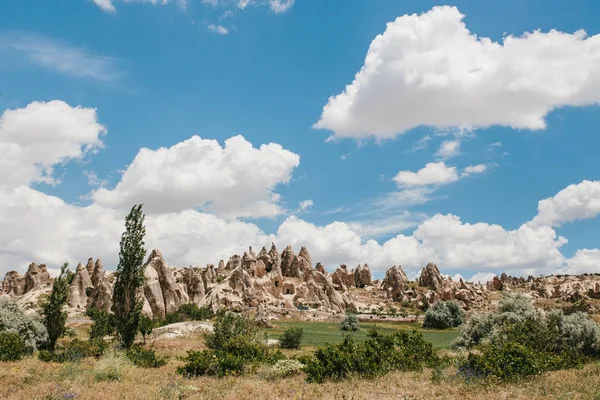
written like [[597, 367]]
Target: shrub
[[75, 351], [188, 312], [532, 341], [229, 328], [507, 361], [14, 320], [291, 338], [103, 325], [444, 315], [145, 358], [234, 343], [350, 323], [376, 356], [282, 369], [212, 363], [145, 327], [578, 306], [12, 347], [111, 367]]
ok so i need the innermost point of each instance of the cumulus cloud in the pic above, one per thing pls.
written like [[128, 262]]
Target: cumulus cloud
[[43, 228], [432, 174], [584, 260], [575, 202], [57, 56], [474, 169], [482, 277], [429, 69], [36, 138], [236, 180]]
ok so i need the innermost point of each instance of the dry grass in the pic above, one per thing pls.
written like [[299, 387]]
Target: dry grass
[[33, 379]]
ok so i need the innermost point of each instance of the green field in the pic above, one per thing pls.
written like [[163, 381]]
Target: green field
[[320, 333]]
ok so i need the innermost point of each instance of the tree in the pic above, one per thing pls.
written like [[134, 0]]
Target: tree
[[145, 326], [54, 316], [129, 277]]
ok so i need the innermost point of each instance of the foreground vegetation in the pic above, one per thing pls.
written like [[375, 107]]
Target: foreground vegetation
[[34, 379]]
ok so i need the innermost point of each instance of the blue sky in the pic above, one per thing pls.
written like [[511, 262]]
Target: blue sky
[[518, 122]]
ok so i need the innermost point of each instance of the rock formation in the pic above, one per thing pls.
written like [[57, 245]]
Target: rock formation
[[192, 279], [173, 294], [395, 283], [37, 276], [79, 288], [14, 284], [431, 278], [267, 280], [362, 276]]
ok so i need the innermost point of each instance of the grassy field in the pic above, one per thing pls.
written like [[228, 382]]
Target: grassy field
[[32, 379], [320, 333]]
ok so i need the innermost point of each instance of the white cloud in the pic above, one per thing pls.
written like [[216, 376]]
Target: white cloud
[[584, 261], [420, 144], [429, 69], [105, 5], [36, 138], [575, 202], [220, 29], [432, 174], [108, 5], [280, 6], [448, 149], [306, 204], [236, 180], [454, 244], [474, 169], [482, 277], [57, 56]]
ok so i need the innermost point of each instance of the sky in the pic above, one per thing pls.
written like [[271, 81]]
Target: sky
[[380, 132]]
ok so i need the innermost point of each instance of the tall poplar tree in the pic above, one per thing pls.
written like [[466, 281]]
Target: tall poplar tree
[[126, 307], [54, 315]]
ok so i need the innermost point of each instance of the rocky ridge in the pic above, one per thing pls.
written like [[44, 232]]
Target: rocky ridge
[[286, 281]]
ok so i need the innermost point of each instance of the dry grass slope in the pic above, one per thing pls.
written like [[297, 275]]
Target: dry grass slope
[[32, 379]]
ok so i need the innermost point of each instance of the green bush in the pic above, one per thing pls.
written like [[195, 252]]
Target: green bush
[[235, 343], [376, 356], [230, 327], [145, 358], [212, 363], [350, 323], [507, 361], [188, 312], [291, 338], [525, 342], [103, 325], [14, 320], [75, 351], [444, 315], [12, 347], [145, 327]]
